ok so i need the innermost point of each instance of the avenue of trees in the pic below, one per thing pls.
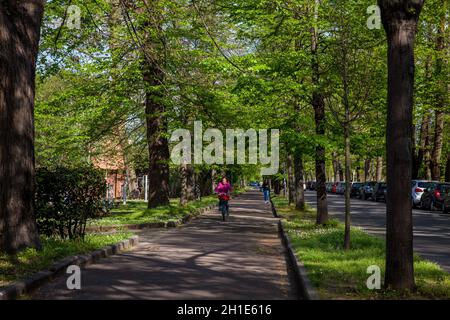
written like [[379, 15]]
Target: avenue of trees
[[357, 96]]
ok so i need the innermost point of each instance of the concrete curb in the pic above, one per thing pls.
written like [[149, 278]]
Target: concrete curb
[[28, 285], [308, 291], [169, 224]]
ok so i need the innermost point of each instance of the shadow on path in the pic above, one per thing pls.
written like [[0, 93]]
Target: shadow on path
[[241, 258]]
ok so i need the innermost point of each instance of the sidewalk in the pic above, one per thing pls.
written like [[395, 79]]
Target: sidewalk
[[241, 258]]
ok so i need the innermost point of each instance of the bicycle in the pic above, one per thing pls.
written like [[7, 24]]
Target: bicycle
[[223, 206]]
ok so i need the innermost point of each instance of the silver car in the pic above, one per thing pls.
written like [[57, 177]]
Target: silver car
[[417, 189]]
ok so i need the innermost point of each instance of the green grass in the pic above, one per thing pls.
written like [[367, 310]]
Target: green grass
[[27, 262], [136, 212], [340, 274]]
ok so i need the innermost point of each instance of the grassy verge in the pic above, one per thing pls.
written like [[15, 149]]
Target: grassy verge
[[340, 274], [30, 261], [136, 211]]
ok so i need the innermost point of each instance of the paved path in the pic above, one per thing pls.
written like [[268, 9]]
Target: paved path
[[431, 229], [207, 259]]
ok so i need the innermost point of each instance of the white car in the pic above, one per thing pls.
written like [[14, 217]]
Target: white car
[[417, 189]]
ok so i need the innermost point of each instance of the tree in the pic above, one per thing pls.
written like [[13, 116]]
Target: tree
[[441, 96], [400, 19], [318, 104], [20, 23], [353, 87]]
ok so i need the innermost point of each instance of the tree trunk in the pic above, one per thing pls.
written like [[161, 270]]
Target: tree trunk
[[213, 180], [400, 22], [447, 168], [341, 173], [347, 185], [367, 163], [20, 23], [379, 169], [183, 179], [291, 179], [196, 185], [441, 101], [299, 182], [437, 146], [318, 104], [423, 144], [158, 146], [335, 166]]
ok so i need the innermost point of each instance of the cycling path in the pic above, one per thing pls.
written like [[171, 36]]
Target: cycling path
[[242, 258]]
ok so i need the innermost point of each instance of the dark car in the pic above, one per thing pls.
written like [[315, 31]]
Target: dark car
[[340, 188], [328, 186], [446, 206], [254, 184], [311, 185], [354, 191], [334, 187], [433, 196], [379, 191], [365, 192]]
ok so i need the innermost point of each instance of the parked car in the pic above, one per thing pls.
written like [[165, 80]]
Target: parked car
[[446, 206], [254, 184], [333, 187], [311, 185], [417, 189], [354, 191], [365, 192], [379, 191], [340, 187], [433, 196], [328, 186]]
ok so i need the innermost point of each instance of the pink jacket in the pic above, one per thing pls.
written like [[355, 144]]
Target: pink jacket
[[223, 188]]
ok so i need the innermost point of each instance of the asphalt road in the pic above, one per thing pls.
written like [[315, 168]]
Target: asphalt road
[[431, 229]]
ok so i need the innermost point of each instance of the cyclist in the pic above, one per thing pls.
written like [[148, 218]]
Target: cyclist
[[223, 190]]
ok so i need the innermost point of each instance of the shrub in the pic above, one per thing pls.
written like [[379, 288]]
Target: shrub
[[66, 199]]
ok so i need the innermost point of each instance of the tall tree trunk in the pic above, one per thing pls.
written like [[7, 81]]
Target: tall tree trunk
[[414, 154], [291, 179], [423, 144], [441, 99], [184, 185], [190, 183], [335, 166], [213, 180], [158, 147], [196, 185], [379, 169], [20, 23], [347, 185], [367, 163], [447, 168], [437, 146], [277, 187], [299, 182], [341, 172], [318, 104], [400, 20]]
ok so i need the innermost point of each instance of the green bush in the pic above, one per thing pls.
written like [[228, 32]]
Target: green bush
[[66, 199]]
